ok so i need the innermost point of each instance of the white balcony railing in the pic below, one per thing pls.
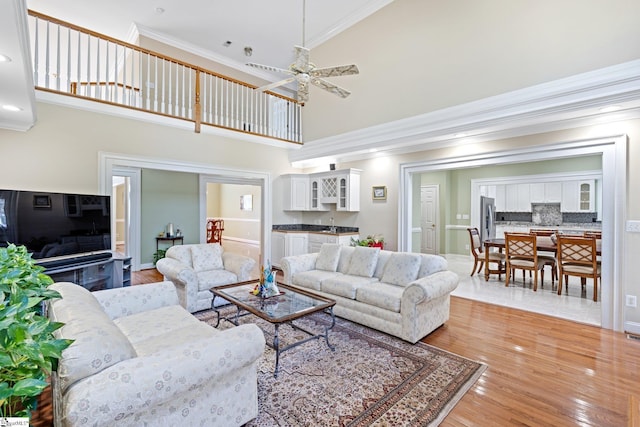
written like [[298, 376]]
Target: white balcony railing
[[79, 62]]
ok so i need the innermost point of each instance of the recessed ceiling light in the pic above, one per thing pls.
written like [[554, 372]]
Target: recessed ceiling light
[[610, 108], [4, 58], [11, 108]]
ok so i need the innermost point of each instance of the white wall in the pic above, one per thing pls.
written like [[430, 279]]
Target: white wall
[[417, 56]]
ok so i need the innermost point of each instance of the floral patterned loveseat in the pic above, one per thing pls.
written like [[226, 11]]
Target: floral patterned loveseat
[[403, 294], [141, 359]]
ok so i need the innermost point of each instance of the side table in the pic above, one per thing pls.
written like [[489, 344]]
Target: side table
[[173, 240]]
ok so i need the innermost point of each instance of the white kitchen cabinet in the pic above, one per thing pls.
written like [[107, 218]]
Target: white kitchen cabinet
[[278, 247], [500, 198], [553, 192], [537, 192], [317, 191], [296, 192], [524, 198], [517, 198], [317, 239], [315, 204], [578, 196], [546, 192], [349, 191], [287, 244], [297, 244]]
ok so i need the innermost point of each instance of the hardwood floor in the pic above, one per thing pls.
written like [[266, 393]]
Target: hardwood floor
[[542, 371]]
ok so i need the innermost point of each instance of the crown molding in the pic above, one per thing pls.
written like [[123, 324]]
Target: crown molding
[[560, 104], [348, 21]]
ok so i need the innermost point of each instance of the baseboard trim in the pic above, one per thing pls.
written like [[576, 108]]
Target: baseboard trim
[[632, 327]]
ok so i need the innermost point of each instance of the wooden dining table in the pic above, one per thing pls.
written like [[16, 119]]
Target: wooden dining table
[[543, 244]]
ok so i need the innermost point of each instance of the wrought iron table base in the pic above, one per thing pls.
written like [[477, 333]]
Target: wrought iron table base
[[276, 338]]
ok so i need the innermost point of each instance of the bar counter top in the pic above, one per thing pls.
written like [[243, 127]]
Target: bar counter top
[[313, 228]]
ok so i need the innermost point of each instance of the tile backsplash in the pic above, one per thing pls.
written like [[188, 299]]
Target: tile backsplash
[[567, 217]]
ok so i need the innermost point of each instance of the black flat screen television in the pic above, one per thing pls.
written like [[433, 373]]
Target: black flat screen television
[[55, 225]]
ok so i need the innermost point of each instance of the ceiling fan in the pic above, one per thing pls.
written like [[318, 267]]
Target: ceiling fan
[[304, 72]]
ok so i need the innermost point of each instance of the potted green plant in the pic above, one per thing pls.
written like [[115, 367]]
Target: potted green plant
[[158, 255], [376, 241], [28, 347]]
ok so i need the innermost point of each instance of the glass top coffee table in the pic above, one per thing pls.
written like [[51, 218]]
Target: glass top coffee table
[[290, 305]]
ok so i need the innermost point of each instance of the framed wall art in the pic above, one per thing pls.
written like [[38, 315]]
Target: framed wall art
[[379, 192]]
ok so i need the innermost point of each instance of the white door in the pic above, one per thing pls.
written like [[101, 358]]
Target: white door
[[429, 218]]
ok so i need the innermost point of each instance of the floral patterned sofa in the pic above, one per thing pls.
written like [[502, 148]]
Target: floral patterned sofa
[[196, 268], [400, 293], [139, 358]]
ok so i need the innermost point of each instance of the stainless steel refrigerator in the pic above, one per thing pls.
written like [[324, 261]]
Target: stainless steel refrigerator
[[487, 218]]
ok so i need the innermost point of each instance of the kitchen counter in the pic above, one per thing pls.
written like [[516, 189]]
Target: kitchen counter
[[312, 228], [524, 227]]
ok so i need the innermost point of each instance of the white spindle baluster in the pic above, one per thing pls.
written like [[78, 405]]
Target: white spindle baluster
[[36, 60], [217, 98], [98, 86], [170, 90], [68, 88], [46, 59], [155, 85], [147, 89], [124, 75], [79, 62], [57, 59], [88, 79], [107, 88]]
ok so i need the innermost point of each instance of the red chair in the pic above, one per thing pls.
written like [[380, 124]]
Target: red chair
[[214, 230]]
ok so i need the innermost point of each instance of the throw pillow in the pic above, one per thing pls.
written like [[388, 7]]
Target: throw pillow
[[328, 257], [207, 257], [401, 269], [363, 261]]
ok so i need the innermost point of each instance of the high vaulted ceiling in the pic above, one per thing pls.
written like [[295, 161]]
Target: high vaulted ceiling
[[269, 28]]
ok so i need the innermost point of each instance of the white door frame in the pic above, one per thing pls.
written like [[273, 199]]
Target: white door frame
[[614, 174], [108, 162]]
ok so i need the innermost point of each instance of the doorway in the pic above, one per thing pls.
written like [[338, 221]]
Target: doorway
[[110, 164], [614, 163]]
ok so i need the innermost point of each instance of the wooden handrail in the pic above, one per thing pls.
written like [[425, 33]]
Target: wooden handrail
[[150, 52]]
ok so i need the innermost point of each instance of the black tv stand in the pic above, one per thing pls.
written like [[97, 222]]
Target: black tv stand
[[93, 271], [76, 260]]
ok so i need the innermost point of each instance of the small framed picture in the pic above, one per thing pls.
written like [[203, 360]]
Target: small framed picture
[[379, 192], [41, 201], [246, 202]]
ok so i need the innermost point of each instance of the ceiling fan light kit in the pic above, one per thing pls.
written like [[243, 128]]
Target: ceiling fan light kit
[[304, 72]]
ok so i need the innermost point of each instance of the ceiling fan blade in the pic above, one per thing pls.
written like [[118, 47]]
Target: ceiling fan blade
[[330, 87], [302, 60], [340, 70], [270, 68], [303, 92], [275, 84]]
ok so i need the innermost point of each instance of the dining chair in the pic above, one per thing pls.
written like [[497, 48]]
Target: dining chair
[[547, 258], [522, 254], [591, 233], [577, 256], [479, 255]]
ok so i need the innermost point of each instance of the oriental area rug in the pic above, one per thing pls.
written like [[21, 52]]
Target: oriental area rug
[[371, 379]]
